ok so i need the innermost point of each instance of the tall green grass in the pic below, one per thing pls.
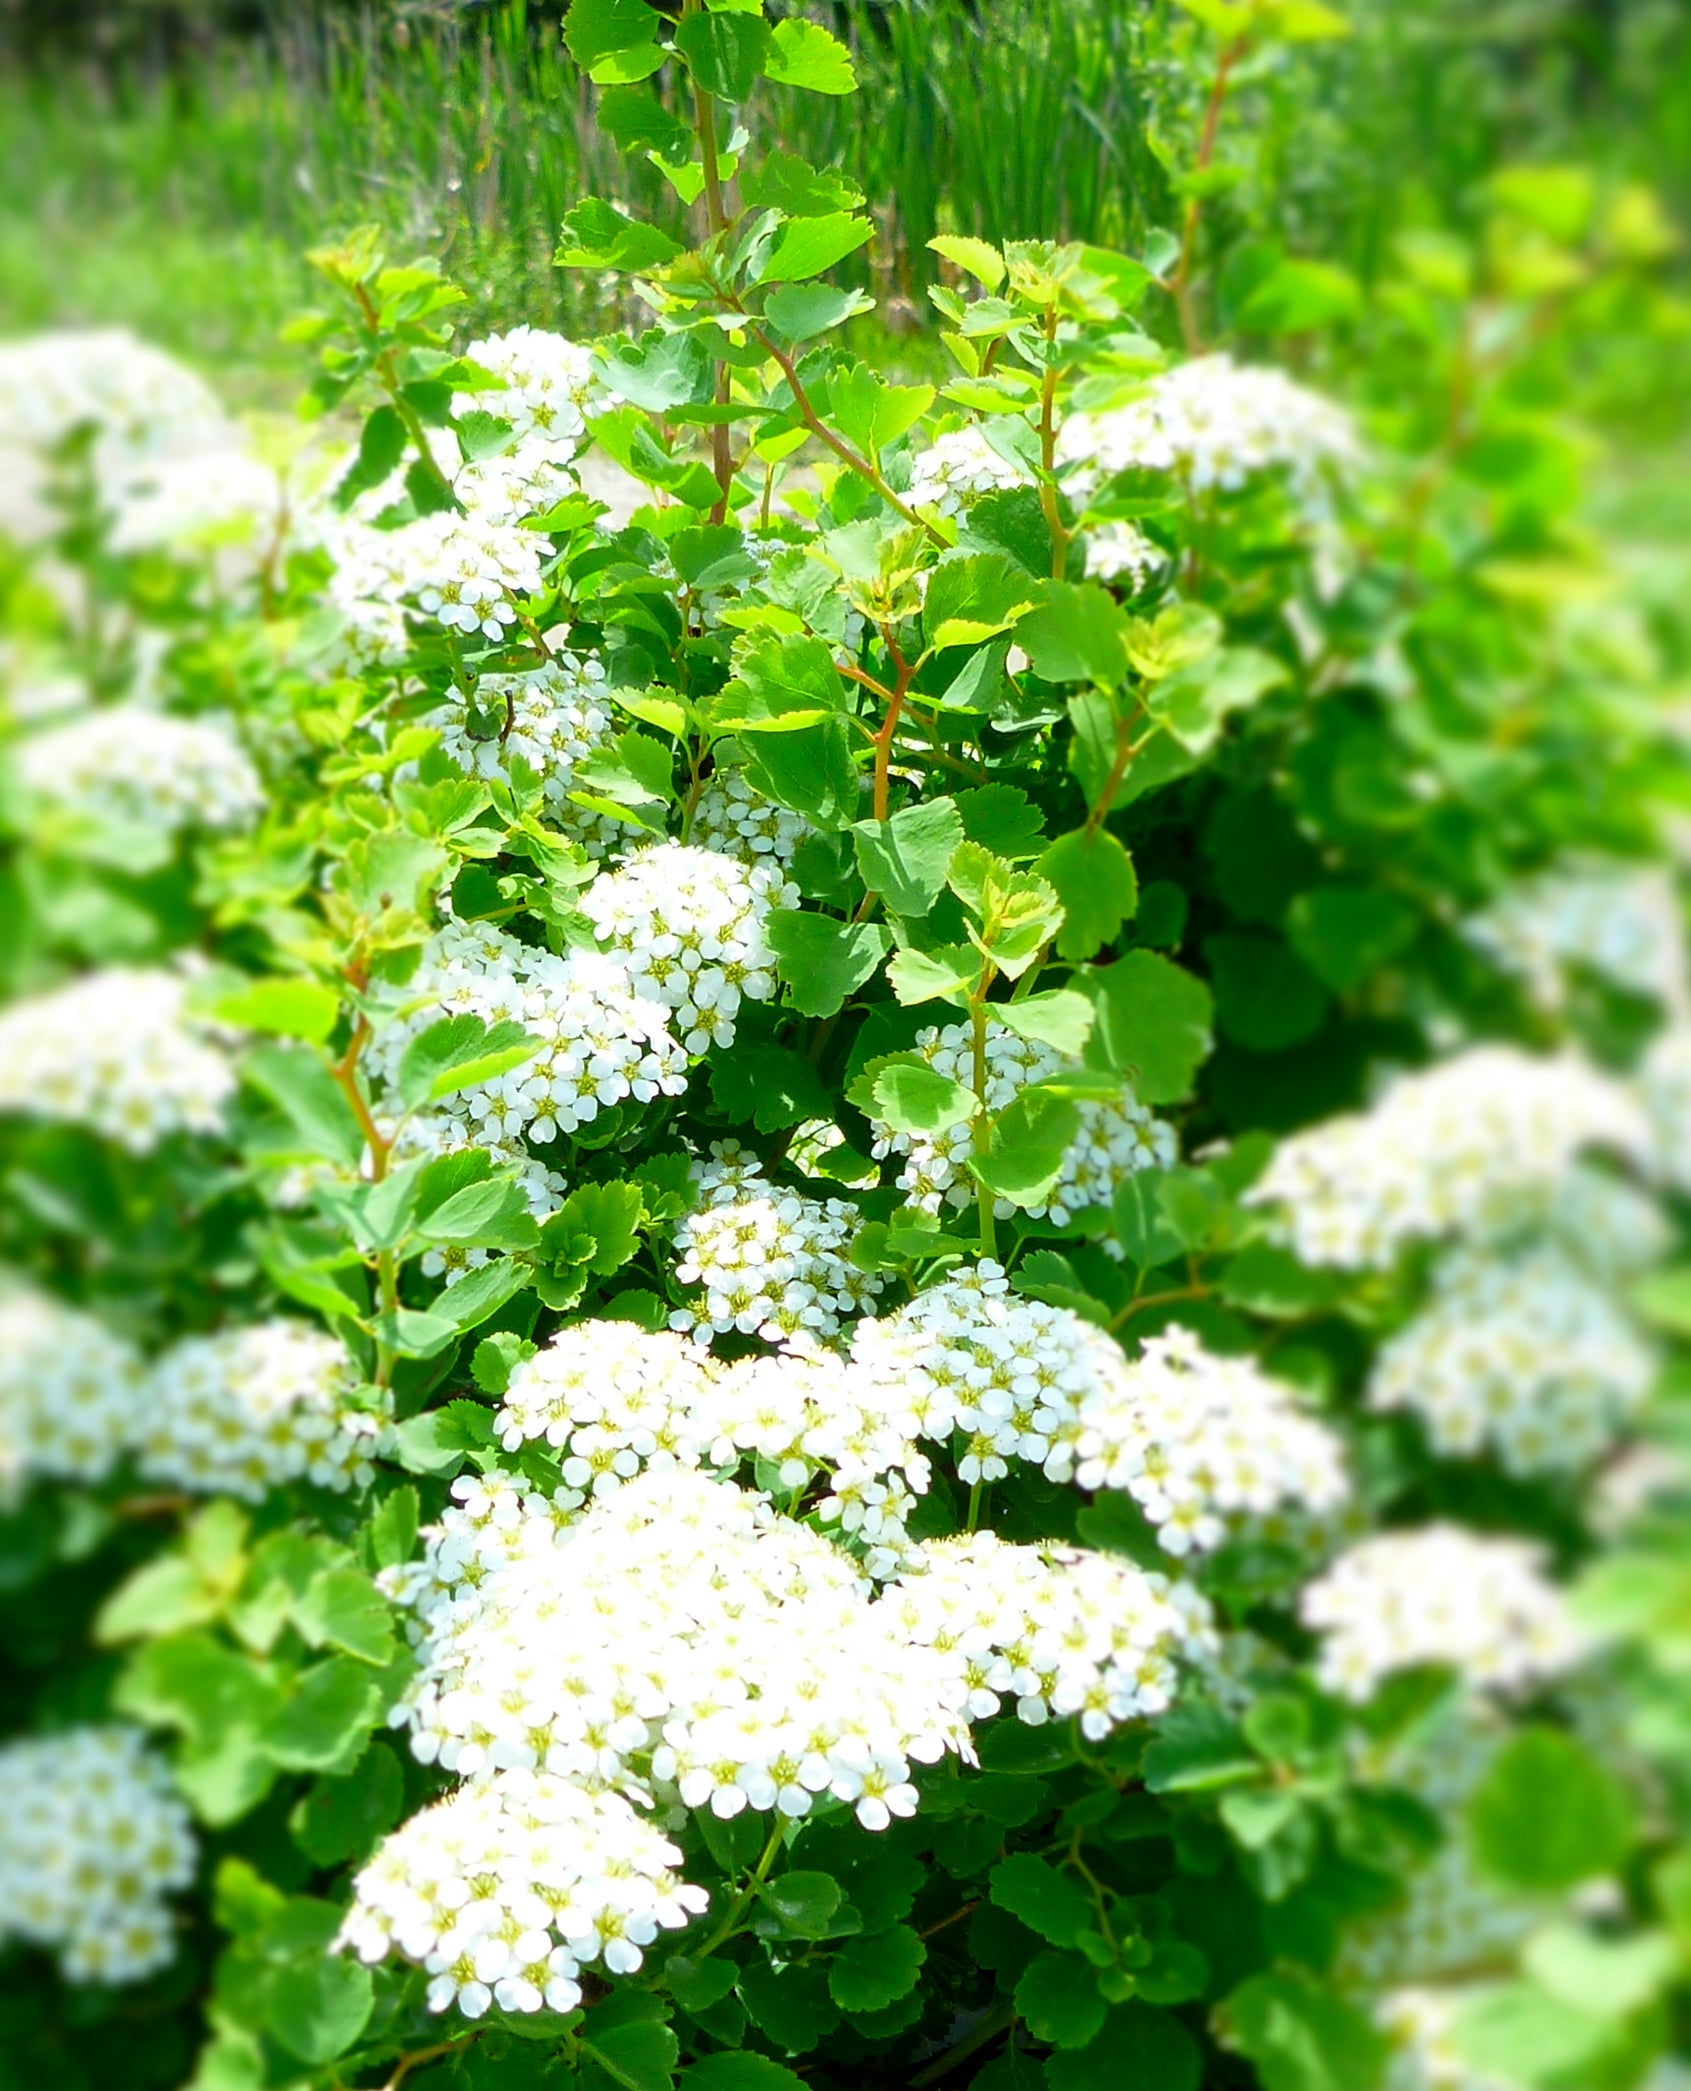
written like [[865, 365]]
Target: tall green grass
[[179, 197]]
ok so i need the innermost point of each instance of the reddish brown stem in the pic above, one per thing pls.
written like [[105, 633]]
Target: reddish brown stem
[[1180, 284]]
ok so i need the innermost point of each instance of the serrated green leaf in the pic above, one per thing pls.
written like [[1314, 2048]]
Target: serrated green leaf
[[904, 857], [822, 962], [1094, 879], [867, 1974]]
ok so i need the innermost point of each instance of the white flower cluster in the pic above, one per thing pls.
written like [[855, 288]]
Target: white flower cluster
[[1474, 1144], [1618, 921], [210, 497], [1117, 1137], [91, 1843], [602, 1041], [252, 1409], [433, 1133], [957, 468], [1524, 1355], [1198, 1441], [551, 717], [139, 401], [1121, 552], [1420, 2023], [770, 1261], [504, 1891], [128, 764], [1438, 1594], [549, 385], [738, 821], [69, 1392], [1214, 423], [1664, 1093], [691, 927], [114, 1052], [1061, 1632]]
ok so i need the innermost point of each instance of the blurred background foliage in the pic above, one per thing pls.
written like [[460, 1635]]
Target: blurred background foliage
[[166, 161]]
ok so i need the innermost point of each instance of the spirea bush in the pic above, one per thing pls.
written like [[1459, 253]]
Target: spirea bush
[[864, 1276]]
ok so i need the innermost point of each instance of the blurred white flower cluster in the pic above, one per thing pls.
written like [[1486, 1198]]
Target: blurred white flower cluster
[[601, 1041], [769, 1261], [1620, 922], [691, 926], [1213, 423], [1439, 1594], [549, 386], [550, 717], [1664, 1092], [69, 1392], [127, 764], [1523, 1355], [957, 468], [117, 1053], [1475, 1144], [1121, 552], [252, 1409], [92, 1842], [139, 402], [505, 1891], [1198, 1441], [1117, 1137]]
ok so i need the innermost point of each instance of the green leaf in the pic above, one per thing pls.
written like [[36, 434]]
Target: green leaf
[[1344, 934], [928, 976], [1664, 1299], [912, 1097], [783, 181], [1030, 1138], [307, 1095], [1045, 1898], [1302, 2036], [803, 55], [1003, 819], [1266, 998], [1548, 1815], [866, 1974], [341, 1818], [800, 311], [781, 683], [724, 52], [632, 770], [599, 236], [1194, 702], [904, 858], [460, 1052], [805, 247], [317, 2008], [975, 257], [1139, 2046], [804, 1902], [1608, 1977], [1517, 2033], [1297, 297], [333, 1706], [638, 2055], [1153, 1024], [491, 1215], [871, 413], [1078, 634], [595, 29], [822, 962], [742, 2071], [1095, 881], [1197, 1747], [1059, 1018], [285, 1008], [973, 598], [159, 1597], [772, 1087], [341, 1608], [790, 2004], [1059, 1998]]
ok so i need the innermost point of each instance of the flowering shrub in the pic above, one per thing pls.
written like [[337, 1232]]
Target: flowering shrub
[[851, 1285]]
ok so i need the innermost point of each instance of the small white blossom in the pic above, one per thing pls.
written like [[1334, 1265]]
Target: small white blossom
[[551, 718], [1213, 423], [691, 927], [69, 1392], [93, 1842], [253, 1409], [1473, 1145], [1121, 552], [549, 386], [738, 821], [957, 468], [1439, 1594], [141, 403], [113, 1052], [1621, 922]]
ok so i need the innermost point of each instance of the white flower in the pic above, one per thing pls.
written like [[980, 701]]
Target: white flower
[[126, 764], [1117, 1136], [1212, 422], [140, 402], [551, 717], [1621, 922], [209, 497], [1524, 1355], [738, 821], [93, 1843], [1664, 1093], [601, 1042], [1121, 552], [464, 571], [1474, 1145], [769, 1261], [253, 1409], [691, 927], [957, 468], [549, 386], [69, 1392], [1439, 1594], [113, 1052]]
